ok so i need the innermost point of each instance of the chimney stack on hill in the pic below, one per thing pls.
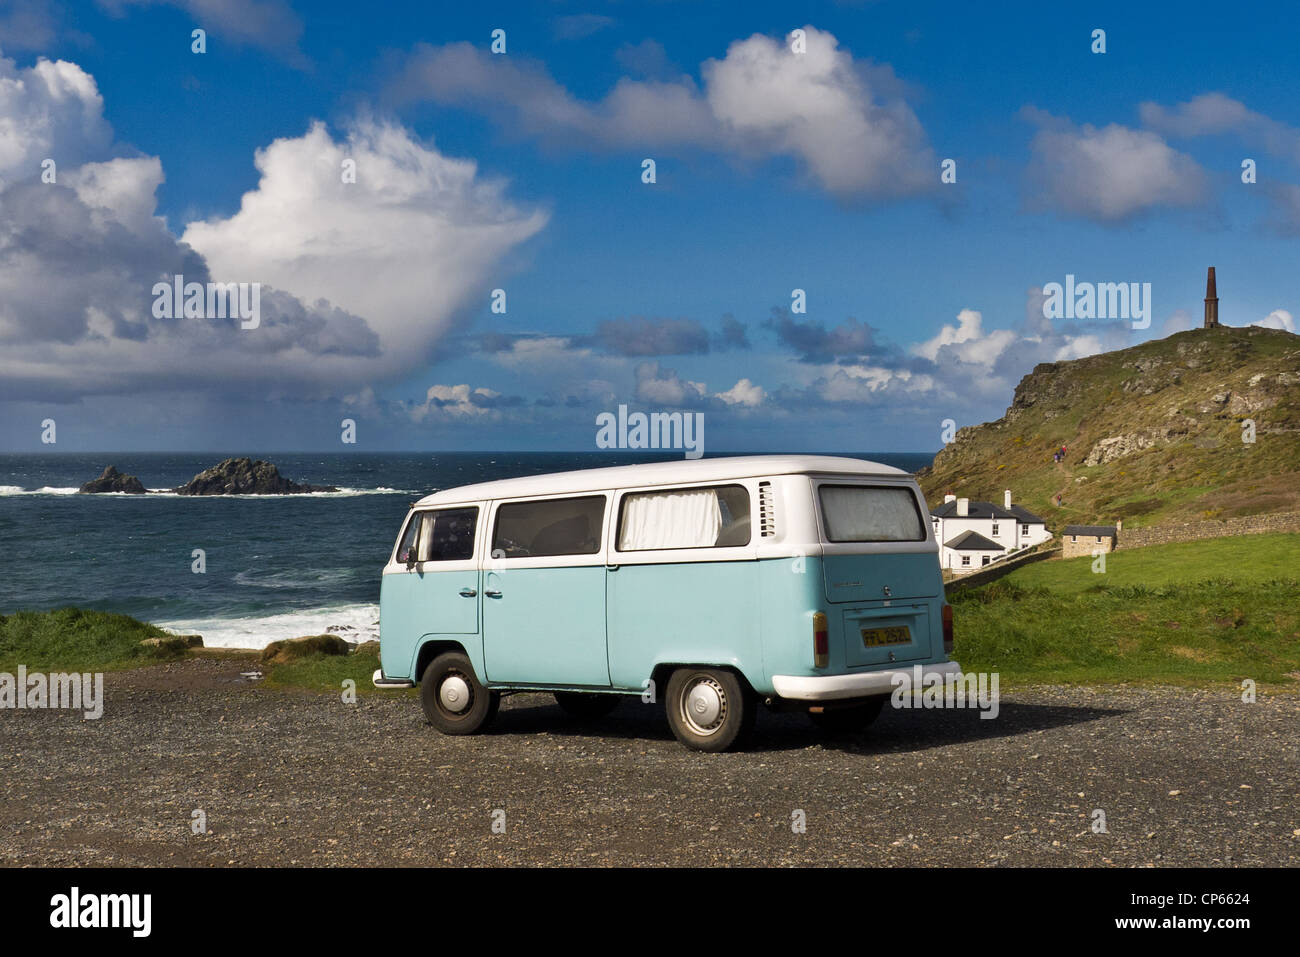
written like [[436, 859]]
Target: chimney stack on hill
[[1211, 301], [1006, 499], [963, 507]]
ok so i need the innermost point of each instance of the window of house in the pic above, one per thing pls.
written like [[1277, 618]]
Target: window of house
[[715, 517], [995, 529], [557, 526], [965, 559], [986, 560], [1024, 529], [1074, 538], [1098, 539]]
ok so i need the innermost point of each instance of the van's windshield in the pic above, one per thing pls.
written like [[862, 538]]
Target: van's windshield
[[870, 513]]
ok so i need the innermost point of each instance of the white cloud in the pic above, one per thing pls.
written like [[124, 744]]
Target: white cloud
[[52, 110], [1212, 114], [404, 246], [1277, 319], [1109, 174], [359, 280], [744, 393], [847, 121]]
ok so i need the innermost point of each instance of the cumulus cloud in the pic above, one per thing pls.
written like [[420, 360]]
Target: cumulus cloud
[[52, 110], [358, 280], [1277, 319], [1109, 174], [1213, 114], [847, 121], [404, 246]]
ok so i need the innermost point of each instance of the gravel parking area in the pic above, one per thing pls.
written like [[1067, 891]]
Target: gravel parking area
[[283, 777]]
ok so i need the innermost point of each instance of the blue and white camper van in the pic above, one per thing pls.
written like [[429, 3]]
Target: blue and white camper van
[[798, 581]]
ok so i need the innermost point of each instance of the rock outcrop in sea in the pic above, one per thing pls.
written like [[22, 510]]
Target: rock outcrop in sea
[[111, 480], [243, 476]]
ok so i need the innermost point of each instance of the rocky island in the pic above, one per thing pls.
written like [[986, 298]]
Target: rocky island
[[111, 480], [243, 476]]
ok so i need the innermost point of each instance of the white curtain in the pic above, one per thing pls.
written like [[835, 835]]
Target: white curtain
[[689, 519]]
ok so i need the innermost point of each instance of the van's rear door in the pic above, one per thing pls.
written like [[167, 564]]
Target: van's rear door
[[877, 545]]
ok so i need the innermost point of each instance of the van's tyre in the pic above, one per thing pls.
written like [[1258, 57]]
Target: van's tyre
[[454, 701], [851, 720], [709, 709], [584, 706]]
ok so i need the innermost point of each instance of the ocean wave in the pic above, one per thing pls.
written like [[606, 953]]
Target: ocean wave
[[349, 622], [7, 490]]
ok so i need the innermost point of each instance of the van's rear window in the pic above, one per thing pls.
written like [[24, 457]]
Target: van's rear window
[[870, 513]]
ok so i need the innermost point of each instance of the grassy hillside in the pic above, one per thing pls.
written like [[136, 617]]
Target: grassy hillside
[[74, 639], [1153, 434], [1201, 612]]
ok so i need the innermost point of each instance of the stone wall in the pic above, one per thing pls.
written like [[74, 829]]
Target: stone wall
[[1211, 528], [1001, 568]]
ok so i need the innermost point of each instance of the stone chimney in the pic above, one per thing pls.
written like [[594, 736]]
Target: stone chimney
[[949, 498], [1211, 301], [1006, 499], [963, 507]]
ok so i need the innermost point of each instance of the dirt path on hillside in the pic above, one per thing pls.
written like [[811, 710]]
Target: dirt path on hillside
[[1182, 777]]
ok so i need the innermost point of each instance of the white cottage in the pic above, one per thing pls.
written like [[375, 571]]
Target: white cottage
[[975, 534]]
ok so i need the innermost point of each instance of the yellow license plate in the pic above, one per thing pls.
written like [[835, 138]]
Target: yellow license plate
[[876, 637]]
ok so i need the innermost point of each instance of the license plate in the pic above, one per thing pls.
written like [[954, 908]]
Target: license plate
[[877, 637]]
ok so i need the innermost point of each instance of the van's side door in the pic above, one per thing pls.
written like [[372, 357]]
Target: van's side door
[[544, 592]]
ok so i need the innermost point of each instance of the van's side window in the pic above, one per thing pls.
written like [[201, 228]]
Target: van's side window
[[714, 517], [557, 526], [406, 550], [450, 534]]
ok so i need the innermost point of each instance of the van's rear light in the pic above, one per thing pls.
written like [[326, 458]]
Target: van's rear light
[[947, 629], [821, 641]]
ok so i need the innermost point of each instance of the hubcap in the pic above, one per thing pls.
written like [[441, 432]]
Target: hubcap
[[454, 693], [704, 706]]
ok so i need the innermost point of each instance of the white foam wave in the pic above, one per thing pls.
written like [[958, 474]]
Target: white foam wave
[[350, 622]]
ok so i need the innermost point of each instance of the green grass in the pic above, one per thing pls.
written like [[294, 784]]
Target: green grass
[[72, 639], [319, 672], [1205, 612]]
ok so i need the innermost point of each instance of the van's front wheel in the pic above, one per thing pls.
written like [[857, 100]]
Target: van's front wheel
[[454, 701], [709, 709]]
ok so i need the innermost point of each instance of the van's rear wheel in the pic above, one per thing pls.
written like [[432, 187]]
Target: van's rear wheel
[[709, 709], [454, 701], [585, 706], [851, 720]]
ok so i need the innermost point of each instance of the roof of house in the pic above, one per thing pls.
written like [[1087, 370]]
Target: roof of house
[[1102, 531], [976, 510], [1026, 516], [973, 542], [718, 469], [988, 510]]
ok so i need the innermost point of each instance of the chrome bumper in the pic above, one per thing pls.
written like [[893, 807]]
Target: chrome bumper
[[864, 684]]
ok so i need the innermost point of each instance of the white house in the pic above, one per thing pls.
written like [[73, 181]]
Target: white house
[[974, 534]]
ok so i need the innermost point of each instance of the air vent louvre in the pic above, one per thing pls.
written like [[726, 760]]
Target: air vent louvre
[[766, 510]]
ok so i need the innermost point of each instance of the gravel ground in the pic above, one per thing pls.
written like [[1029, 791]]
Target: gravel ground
[[284, 777]]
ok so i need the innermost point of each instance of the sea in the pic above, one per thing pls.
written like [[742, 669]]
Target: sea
[[273, 566]]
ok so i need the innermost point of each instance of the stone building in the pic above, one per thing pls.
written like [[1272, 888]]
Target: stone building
[[1079, 540]]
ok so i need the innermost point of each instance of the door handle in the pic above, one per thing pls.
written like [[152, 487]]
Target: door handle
[[467, 593], [492, 593]]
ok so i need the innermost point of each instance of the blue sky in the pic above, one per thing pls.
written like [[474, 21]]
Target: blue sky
[[775, 170]]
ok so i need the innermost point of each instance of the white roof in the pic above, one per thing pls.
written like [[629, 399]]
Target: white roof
[[660, 473]]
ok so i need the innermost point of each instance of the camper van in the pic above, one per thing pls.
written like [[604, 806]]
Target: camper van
[[710, 585]]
